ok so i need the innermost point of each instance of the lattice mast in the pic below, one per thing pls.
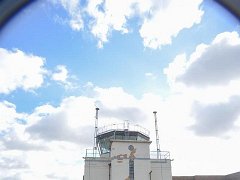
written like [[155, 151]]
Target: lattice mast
[[96, 128], [157, 135]]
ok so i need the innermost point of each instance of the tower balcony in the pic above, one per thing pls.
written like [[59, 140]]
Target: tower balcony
[[123, 131]]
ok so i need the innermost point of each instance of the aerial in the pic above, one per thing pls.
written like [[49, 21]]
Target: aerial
[[61, 59]]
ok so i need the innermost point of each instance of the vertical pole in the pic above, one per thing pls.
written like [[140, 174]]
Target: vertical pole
[[157, 136], [109, 171], [96, 129], [150, 175]]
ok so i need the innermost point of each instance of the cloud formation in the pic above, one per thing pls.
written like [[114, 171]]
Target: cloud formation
[[159, 21], [15, 139], [215, 64], [72, 121], [11, 163], [216, 119], [64, 131], [20, 70], [112, 15], [61, 74], [62, 77], [168, 20], [53, 135], [150, 75], [9, 115], [75, 20], [55, 128], [210, 65], [210, 78], [134, 114]]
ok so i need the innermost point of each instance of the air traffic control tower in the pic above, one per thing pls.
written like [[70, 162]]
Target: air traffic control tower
[[122, 152]]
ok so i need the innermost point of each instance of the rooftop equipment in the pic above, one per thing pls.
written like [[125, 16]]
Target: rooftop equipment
[[157, 135]]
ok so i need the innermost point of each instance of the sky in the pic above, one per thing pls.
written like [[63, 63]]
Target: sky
[[60, 59]]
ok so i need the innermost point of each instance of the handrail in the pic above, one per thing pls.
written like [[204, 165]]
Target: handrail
[[162, 155], [94, 153], [122, 127]]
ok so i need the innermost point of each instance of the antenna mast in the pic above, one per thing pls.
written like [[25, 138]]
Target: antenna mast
[[157, 136], [96, 128]]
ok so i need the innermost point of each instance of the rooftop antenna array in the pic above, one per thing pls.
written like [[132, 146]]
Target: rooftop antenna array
[[96, 128], [157, 136]]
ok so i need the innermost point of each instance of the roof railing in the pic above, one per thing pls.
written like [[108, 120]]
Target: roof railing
[[94, 153], [160, 155], [122, 127]]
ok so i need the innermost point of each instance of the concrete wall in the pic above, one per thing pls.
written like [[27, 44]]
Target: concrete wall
[[142, 169], [119, 169], [121, 154], [119, 147], [96, 169], [161, 169]]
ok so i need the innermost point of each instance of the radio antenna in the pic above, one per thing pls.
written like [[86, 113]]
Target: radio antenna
[[157, 136], [96, 128]]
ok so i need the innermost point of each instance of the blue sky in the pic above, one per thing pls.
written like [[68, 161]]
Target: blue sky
[[62, 58]]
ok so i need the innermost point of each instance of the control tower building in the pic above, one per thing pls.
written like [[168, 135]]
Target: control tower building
[[122, 152]]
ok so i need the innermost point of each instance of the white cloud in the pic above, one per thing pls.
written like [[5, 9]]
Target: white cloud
[[71, 121], [61, 74], [107, 16], [68, 127], [74, 11], [168, 20], [12, 129], [210, 78], [114, 97], [12, 163], [20, 70], [55, 128], [89, 85], [62, 77], [23, 156], [61, 164], [215, 64], [216, 119], [8, 115], [159, 21], [175, 68], [150, 75]]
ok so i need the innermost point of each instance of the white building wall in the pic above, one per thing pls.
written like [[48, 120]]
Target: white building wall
[[161, 169], [120, 165], [119, 169], [142, 169], [96, 169], [121, 147]]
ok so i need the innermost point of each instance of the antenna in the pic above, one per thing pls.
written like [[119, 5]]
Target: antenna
[[96, 128], [157, 136]]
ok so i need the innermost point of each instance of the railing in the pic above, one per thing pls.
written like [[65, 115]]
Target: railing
[[92, 153], [160, 155], [122, 127]]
